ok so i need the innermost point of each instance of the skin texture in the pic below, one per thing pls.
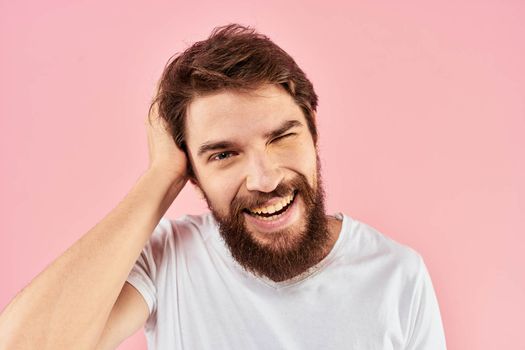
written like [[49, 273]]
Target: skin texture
[[256, 167]]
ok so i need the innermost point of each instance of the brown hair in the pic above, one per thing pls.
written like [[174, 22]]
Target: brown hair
[[233, 57]]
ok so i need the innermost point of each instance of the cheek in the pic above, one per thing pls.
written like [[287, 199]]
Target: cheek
[[220, 191], [301, 159]]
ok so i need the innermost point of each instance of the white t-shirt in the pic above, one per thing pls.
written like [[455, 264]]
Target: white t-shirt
[[369, 292]]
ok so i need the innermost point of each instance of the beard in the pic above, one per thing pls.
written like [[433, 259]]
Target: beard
[[282, 254]]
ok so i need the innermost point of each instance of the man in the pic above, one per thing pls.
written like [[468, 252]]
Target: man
[[266, 268]]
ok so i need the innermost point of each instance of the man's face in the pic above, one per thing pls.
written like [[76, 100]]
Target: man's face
[[256, 164]]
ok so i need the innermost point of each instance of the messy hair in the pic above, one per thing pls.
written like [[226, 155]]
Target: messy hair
[[233, 57]]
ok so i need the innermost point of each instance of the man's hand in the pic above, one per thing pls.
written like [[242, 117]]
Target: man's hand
[[164, 154]]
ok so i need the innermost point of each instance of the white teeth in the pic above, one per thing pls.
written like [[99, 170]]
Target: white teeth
[[271, 218], [275, 207]]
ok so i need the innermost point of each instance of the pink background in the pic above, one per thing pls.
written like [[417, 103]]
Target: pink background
[[421, 117]]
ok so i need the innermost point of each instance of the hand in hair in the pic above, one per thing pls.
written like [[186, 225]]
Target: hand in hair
[[164, 154]]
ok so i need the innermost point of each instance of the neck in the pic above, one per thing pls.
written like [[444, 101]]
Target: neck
[[334, 229]]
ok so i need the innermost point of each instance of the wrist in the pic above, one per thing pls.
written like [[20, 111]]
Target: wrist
[[165, 175], [158, 179]]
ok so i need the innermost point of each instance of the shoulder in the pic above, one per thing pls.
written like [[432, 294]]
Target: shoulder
[[183, 228], [177, 236], [370, 244]]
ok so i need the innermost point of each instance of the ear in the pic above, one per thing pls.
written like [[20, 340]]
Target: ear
[[192, 177], [197, 186], [315, 138], [189, 169]]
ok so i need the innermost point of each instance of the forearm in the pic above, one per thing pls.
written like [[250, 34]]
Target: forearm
[[67, 304]]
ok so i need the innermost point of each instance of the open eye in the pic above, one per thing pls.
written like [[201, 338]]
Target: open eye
[[283, 136], [221, 156]]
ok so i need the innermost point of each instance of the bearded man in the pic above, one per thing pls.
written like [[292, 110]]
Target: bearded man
[[266, 268]]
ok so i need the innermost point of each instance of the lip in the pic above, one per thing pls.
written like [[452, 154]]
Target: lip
[[291, 216], [271, 202]]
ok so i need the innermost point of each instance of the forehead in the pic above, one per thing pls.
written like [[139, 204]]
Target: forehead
[[231, 114]]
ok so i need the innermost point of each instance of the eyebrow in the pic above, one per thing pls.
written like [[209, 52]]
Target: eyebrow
[[218, 145]]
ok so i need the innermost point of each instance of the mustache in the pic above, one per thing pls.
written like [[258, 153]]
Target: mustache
[[243, 203], [240, 204]]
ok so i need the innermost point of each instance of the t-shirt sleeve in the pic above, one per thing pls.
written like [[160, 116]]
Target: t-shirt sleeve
[[425, 325], [143, 275]]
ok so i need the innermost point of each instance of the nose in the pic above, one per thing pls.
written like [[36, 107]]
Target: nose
[[263, 174]]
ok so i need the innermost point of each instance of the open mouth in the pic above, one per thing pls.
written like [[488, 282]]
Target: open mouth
[[272, 211]]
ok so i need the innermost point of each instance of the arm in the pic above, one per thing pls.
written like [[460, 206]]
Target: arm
[[68, 304], [426, 327], [128, 315]]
